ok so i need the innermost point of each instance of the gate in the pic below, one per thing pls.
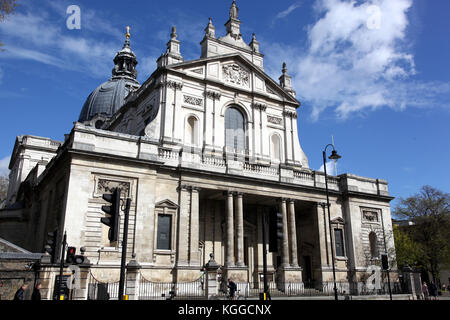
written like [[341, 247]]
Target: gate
[[98, 290]]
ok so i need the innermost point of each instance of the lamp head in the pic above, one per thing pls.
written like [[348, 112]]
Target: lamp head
[[334, 155]]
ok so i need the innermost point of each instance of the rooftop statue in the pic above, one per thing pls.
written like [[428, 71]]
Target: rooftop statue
[[234, 11]]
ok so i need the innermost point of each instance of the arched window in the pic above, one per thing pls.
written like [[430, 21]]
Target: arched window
[[373, 245], [275, 147], [191, 134], [234, 129]]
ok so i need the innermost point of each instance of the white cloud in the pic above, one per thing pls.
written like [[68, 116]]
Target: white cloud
[[4, 163], [285, 13], [90, 19], [21, 53], [44, 38], [352, 64], [35, 38]]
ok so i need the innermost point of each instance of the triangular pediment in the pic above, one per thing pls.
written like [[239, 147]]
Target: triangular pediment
[[338, 220], [235, 70], [166, 204]]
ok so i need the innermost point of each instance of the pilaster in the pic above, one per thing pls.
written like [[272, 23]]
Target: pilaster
[[194, 256]]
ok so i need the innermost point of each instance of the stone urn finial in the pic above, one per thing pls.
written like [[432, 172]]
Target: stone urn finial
[[212, 264]]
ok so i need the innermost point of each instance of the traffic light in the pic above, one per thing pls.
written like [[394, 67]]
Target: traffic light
[[50, 246], [70, 258], [384, 262], [113, 210], [79, 259]]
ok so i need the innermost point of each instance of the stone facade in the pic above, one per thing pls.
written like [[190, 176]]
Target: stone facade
[[168, 149]]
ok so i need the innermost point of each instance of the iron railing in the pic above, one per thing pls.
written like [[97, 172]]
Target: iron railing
[[195, 290], [361, 288], [312, 289], [149, 290]]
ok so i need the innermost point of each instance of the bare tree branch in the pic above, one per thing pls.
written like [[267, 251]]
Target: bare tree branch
[[6, 7]]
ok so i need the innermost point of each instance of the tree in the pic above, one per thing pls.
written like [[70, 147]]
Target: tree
[[407, 251], [429, 210], [6, 7]]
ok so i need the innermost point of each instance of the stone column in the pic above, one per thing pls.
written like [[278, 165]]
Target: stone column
[[188, 258], [239, 229], [217, 233], [229, 249], [259, 245], [183, 221], [288, 274], [285, 242], [293, 233], [194, 256], [321, 225]]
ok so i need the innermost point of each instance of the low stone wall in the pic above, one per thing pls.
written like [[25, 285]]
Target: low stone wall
[[15, 270]]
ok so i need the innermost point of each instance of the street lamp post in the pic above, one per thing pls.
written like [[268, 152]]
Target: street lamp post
[[334, 156]]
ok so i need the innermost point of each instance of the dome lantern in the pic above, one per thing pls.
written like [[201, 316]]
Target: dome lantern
[[107, 99]]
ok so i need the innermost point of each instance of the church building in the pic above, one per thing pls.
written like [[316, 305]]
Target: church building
[[203, 148]]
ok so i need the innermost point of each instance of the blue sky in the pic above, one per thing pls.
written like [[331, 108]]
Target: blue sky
[[374, 74]]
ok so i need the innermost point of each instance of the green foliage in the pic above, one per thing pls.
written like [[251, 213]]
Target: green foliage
[[429, 210], [407, 251]]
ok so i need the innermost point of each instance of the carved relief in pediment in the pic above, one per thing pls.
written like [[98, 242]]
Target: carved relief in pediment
[[235, 74]]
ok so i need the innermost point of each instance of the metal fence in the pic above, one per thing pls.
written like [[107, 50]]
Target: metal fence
[[195, 290], [149, 290], [361, 288], [98, 290], [312, 289]]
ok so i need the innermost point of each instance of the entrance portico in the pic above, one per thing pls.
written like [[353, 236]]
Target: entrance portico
[[229, 225]]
